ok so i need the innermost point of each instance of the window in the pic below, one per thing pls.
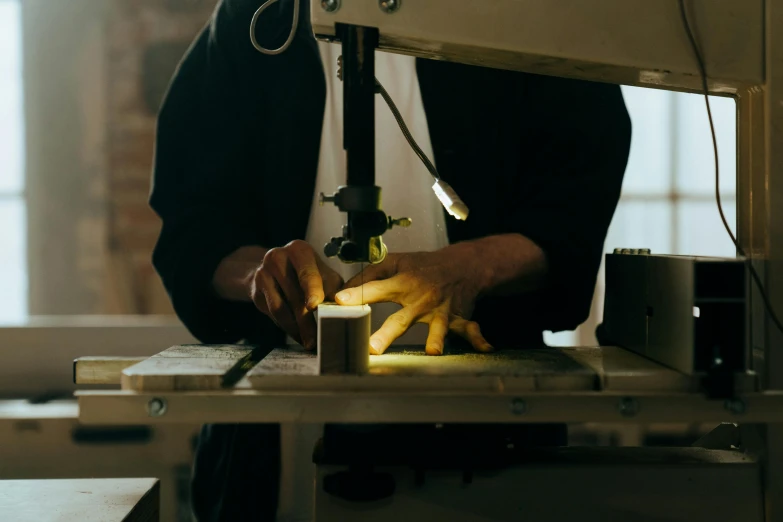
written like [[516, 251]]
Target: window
[[668, 200], [13, 257]]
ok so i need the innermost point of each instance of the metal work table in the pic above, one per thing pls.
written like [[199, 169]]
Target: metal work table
[[554, 385]]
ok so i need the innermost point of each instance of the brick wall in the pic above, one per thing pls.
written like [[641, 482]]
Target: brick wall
[[146, 38]]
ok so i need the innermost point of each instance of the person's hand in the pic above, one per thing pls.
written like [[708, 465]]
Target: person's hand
[[437, 288], [289, 285]]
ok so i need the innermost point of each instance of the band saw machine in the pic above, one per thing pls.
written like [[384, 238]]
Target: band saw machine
[[684, 339]]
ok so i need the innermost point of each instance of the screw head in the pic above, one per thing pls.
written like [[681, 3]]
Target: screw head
[[518, 407], [628, 407], [330, 6], [736, 406], [157, 407], [390, 6]]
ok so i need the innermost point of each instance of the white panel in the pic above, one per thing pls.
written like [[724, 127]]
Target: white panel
[[650, 162], [11, 112], [700, 230], [641, 224], [695, 153], [560, 339], [13, 261]]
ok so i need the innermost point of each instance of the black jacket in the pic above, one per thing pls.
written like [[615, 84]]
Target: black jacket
[[237, 154]]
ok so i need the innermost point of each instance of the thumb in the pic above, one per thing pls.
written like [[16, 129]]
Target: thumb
[[384, 270]]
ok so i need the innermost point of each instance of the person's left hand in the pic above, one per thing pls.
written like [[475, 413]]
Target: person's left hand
[[438, 288]]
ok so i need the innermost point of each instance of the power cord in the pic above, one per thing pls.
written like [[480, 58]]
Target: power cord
[[405, 131], [706, 91], [272, 52], [444, 192]]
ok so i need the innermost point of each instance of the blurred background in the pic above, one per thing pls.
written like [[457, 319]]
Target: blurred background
[[80, 84]]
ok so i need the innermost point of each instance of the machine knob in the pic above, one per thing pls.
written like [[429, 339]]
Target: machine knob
[[400, 222], [332, 249]]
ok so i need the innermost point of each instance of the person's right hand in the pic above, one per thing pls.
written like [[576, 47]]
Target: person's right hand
[[289, 285]]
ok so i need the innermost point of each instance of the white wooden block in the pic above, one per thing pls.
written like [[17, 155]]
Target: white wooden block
[[343, 339]]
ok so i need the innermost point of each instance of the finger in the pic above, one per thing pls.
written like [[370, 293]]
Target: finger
[[471, 332], [277, 309], [396, 325], [295, 299], [375, 292], [377, 272], [305, 265], [439, 327]]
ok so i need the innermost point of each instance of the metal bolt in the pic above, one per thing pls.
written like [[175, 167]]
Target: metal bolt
[[323, 199], [340, 67], [390, 6], [628, 407], [157, 408], [330, 6], [736, 406], [518, 407]]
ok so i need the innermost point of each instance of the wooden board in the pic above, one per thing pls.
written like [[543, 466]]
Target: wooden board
[[95, 500], [187, 367], [411, 369], [102, 370], [550, 369]]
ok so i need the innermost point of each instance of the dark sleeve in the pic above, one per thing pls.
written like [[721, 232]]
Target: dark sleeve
[[578, 139], [203, 170]]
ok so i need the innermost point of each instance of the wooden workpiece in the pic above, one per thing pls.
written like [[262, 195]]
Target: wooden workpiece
[[193, 368], [188, 367], [343, 339], [93, 500], [511, 371], [102, 370]]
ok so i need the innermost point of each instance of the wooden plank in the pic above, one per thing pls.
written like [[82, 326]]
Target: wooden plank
[[609, 368], [90, 500], [343, 339], [546, 369], [47, 347], [186, 367], [102, 370], [411, 369]]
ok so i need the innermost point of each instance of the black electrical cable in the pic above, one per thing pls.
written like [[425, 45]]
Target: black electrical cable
[[706, 92], [406, 132]]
